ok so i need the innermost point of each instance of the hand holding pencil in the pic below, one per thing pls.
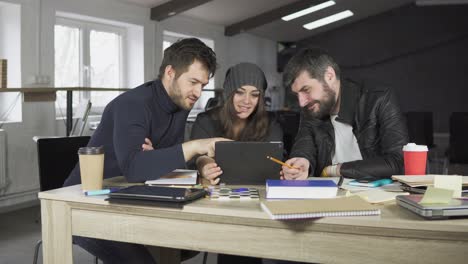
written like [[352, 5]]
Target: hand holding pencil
[[295, 169], [281, 163]]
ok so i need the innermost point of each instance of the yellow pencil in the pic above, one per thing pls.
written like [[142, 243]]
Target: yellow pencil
[[280, 162]]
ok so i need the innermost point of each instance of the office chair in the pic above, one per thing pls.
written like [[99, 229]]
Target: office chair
[[212, 103], [458, 151], [420, 128], [57, 156], [289, 122]]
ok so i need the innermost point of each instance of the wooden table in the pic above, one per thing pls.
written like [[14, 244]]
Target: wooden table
[[242, 228]]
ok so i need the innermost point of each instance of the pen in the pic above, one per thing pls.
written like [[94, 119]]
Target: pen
[[101, 192], [280, 162]]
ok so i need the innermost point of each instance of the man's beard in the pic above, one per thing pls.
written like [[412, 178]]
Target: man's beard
[[177, 97], [325, 105]]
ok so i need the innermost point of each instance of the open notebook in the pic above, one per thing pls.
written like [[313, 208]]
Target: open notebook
[[297, 209]]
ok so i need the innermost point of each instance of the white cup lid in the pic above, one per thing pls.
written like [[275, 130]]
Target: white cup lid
[[414, 147]]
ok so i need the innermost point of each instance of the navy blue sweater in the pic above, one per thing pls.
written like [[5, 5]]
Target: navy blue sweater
[[144, 112]]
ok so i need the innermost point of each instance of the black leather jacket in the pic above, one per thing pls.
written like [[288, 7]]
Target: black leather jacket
[[378, 125]]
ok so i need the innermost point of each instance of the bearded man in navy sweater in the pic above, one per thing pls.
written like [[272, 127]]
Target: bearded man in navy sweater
[[156, 111]]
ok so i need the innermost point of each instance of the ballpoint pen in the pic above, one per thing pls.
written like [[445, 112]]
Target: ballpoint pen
[[281, 163]]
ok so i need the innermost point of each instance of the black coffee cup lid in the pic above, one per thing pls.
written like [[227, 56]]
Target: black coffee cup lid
[[91, 150]]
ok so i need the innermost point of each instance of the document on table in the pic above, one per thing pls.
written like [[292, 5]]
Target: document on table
[[176, 177]]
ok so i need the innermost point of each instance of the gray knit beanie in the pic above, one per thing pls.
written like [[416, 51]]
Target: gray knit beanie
[[243, 74]]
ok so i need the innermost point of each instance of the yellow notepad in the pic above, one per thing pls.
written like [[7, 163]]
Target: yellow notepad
[[297, 209]]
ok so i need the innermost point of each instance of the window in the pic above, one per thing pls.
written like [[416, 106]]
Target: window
[[88, 54], [10, 49], [208, 90]]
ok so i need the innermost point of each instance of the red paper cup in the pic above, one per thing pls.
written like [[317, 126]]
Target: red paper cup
[[415, 157]]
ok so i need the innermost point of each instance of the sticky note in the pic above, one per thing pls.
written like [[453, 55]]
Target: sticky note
[[449, 182], [437, 196]]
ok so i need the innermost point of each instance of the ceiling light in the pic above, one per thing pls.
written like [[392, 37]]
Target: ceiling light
[[327, 20], [308, 10]]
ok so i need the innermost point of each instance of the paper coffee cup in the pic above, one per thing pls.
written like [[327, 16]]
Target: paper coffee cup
[[91, 168], [415, 157]]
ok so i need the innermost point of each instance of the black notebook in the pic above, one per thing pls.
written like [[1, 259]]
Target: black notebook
[[156, 195]]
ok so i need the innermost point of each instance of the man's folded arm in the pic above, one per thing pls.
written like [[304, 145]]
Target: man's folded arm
[[132, 123]]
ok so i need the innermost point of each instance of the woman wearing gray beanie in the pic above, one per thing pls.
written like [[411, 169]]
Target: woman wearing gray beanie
[[241, 117]]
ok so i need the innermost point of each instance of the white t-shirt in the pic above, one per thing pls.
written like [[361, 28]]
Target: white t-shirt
[[346, 146]]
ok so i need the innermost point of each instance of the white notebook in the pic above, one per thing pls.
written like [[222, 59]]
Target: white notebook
[[298, 209]]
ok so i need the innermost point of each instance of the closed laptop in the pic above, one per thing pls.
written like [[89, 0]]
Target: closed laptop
[[456, 207], [247, 163], [158, 193]]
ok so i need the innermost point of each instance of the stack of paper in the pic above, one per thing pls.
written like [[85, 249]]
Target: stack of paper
[[300, 189], [3, 73], [177, 177], [423, 180]]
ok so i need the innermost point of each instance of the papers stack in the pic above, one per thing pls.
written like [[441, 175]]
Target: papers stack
[[423, 180], [177, 177], [300, 189]]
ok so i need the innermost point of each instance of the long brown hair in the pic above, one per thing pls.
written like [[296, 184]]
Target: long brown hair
[[257, 126]]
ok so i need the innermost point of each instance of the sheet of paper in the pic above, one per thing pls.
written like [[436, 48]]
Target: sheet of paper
[[423, 180], [449, 182], [177, 177], [437, 196], [379, 196]]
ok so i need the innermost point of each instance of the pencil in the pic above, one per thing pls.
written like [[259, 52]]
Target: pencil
[[280, 162]]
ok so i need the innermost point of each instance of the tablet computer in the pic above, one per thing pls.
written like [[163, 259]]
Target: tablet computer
[[456, 207], [246, 163]]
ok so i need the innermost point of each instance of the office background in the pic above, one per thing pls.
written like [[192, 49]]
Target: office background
[[418, 50]]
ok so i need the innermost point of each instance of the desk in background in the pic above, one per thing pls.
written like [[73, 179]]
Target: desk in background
[[242, 228]]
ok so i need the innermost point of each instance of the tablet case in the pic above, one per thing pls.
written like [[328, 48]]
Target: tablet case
[[156, 195], [246, 162]]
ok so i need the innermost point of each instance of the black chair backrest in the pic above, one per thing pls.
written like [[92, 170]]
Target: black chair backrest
[[57, 157], [289, 122], [458, 150], [420, 128], [211, 103]]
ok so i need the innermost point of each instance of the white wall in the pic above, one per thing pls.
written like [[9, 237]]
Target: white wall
[[37, 20], [249, 48]]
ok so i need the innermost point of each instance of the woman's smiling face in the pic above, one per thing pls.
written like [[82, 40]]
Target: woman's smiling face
[[245, 101]]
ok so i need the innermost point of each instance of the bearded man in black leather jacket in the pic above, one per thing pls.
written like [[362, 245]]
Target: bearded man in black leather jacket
[[347, 128]]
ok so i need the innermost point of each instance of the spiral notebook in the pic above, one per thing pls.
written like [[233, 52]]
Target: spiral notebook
[[299, 209]]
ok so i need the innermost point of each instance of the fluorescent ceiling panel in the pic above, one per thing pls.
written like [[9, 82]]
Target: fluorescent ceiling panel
[[327, 20], [309, 10]]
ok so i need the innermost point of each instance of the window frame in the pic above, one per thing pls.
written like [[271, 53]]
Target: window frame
[[85, 27]]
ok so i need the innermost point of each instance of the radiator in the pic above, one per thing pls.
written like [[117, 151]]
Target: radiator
[[3, 159]]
